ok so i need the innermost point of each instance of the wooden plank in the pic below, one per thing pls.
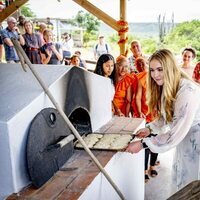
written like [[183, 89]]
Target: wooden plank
[[122, 125], [87, 61], [189, 192], [98, 13], [15, 5], [134, 124], [70, 182], [91, 62]]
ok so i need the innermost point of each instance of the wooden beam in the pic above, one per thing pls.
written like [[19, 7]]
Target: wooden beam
[[98, 13], [15, 5]]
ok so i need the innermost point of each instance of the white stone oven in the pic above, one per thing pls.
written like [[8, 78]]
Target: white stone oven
[[81, 94]]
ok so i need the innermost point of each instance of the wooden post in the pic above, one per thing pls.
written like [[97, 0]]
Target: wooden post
[[123, 35]]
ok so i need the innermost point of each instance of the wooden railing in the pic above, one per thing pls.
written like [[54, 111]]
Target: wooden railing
[[93, 62]]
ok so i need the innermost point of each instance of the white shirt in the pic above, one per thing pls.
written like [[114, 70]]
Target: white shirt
[[186, 115], [67, 45], [100, 49]]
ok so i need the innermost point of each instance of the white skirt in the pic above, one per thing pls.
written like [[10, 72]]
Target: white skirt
[[186, 161]]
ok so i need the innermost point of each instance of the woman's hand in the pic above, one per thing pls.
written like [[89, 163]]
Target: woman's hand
[[119, 113], [142, 133], [16, 29], [48, 52], [142, 115], [53, 48], [134, 147]]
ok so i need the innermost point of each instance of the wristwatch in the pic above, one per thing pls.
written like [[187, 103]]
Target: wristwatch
[[144, 146], [150, 130]]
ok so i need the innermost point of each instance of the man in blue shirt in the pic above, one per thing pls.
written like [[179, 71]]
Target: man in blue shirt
[[12, 31]]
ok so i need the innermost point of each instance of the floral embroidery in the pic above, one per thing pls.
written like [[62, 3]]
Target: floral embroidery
[[183, 133]]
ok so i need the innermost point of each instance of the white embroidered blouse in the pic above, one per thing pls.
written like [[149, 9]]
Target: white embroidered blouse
[[186, 115]]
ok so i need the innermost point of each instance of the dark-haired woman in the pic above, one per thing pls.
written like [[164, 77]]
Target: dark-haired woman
[[188, 55], [106, 67]]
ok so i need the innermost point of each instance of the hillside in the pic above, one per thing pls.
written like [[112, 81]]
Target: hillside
[[139, 29]]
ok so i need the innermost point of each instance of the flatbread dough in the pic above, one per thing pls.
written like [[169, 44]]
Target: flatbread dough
[[90, 140], [106, 141]]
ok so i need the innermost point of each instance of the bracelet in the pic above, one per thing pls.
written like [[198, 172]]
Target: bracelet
[[151, 131], [144, 146]]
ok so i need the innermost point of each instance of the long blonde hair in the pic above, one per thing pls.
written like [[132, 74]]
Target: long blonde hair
[[172, 77]]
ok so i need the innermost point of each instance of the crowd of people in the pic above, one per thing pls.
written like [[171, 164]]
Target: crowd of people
[[33, 38], [155, 88], [37, 40]]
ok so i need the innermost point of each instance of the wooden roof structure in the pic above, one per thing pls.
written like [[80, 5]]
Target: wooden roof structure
[[121, 25], [11, 9]]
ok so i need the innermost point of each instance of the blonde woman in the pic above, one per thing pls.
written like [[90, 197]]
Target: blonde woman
[[142, 107], [51, 52], [176, 100]]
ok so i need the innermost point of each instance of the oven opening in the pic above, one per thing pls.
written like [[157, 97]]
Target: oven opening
[[81, 121]]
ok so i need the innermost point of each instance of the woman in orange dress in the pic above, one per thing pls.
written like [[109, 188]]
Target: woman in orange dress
[[134, 110], [142, 108], [196, 73], [141, 90], [123, 88]]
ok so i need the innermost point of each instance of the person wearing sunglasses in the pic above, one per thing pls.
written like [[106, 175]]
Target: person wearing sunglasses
[[11, 31]]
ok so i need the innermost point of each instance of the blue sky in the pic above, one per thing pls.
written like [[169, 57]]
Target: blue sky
[[137, 10]]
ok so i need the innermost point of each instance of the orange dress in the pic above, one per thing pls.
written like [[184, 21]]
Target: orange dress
[[134, 89], [196, 73], [120, 97], [144, 107]]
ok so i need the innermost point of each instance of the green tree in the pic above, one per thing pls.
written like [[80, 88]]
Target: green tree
[[26, 11], [149, 45], [89, 23], [183, 35], [80, 19]]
